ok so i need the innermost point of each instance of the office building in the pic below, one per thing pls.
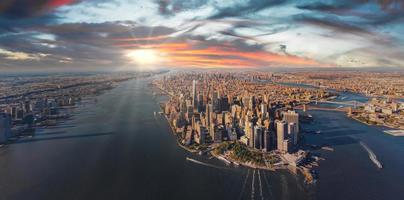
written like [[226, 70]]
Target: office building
[[281, 131], [194, 97], [291, 117], [292, 133], [5, 127]]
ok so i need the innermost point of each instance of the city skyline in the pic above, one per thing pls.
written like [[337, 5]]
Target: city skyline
[[245, 34]]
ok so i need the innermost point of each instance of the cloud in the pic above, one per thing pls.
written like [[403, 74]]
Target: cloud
[[13, 55], [202, 33], [29, 8], [242, 7]]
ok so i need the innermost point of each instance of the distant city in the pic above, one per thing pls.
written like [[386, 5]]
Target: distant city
[[27, 102]]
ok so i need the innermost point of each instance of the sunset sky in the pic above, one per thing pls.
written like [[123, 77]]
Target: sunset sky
[[141, 34]]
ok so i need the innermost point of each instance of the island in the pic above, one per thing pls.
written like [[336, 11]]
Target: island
[[241, 118]]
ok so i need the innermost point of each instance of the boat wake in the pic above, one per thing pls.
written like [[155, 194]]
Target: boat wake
[[202, 163], [372, 156]]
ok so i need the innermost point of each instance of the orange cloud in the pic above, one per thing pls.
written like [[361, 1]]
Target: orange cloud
[[224, 55]]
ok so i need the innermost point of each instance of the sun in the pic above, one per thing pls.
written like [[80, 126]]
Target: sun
[[144, 56]]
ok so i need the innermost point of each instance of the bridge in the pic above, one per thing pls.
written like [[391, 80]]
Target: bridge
[[345, 103], [312, 107], [305, 107]]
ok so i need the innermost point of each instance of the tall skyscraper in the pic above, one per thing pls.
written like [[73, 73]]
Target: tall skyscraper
[[292, 133], [194, 98], [258, 141], [292, 117], [263, 110], [281, 133]]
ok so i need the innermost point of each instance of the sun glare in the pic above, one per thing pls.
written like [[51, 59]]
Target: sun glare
[[144, 56]]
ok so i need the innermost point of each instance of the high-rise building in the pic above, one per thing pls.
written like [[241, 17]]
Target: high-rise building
[[5, 127], [293, 135], [258, 141], [200, 103], [267, 140], [264, 110], [208, 111], [281, 129], [215, 101], [291, 117], [250, 133], [194, 98]]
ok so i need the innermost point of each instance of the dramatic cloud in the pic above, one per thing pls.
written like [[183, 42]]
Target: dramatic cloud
[[99, 34]]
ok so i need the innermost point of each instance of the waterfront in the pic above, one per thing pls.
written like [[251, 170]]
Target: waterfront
[[118, 149]]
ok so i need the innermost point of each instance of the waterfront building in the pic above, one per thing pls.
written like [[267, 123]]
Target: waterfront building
[[215, 133], [5, 127], [292, 133], [258, 141], [250, 132], [281, 129], [291, 117], [267, 140], [287, 146]]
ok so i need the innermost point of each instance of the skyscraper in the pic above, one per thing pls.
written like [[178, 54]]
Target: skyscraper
[[5, 127], [292, 133], [292, 117], [281, 132], [258, 137], [194, 98]]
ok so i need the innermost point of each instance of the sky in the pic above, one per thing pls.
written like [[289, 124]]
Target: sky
[[146, 34]]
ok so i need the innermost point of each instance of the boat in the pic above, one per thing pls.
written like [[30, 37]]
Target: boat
[[318, 132], [327, 148], [372, 156]]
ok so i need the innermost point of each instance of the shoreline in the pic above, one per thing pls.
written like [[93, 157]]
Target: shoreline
[[308, 177], [380, 125], [283, 165]]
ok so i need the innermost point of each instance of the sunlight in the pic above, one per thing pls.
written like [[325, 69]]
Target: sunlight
[[144, 56]]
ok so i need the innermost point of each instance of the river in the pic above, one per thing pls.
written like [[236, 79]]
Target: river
[[117, 148]]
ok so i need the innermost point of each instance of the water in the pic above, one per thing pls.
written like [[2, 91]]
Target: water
[[343, 96], [118, 149], [348, 172]]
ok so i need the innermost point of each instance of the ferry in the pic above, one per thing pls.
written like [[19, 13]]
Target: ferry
[[327, 148], [375, 161]]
